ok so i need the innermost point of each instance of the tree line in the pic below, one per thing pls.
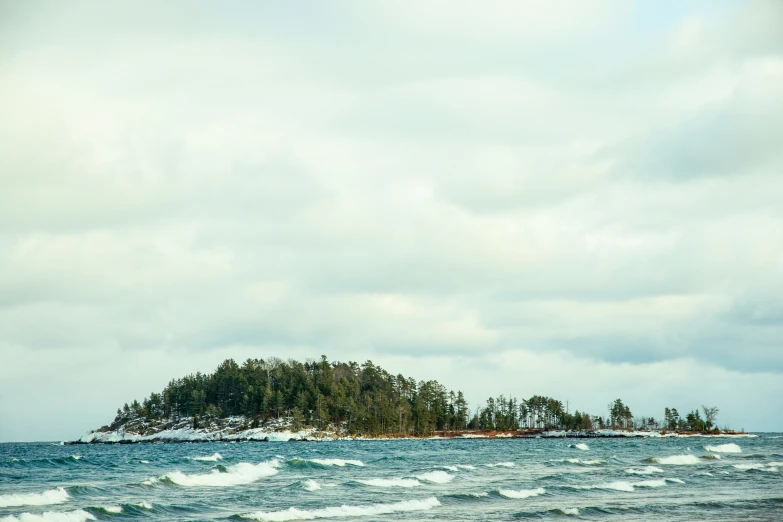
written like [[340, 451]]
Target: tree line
[[366, 399]]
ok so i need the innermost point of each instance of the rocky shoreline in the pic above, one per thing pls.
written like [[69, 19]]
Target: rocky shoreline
[[135, 430]]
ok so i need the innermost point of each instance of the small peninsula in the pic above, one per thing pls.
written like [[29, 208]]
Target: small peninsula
[[272, 399]]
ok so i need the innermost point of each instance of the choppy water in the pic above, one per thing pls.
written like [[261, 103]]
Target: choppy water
[[605, 479]]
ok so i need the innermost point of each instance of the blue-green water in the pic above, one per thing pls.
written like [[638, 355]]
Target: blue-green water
[[628, 479]]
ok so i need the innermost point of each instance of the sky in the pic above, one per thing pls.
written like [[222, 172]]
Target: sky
[[575, 199]]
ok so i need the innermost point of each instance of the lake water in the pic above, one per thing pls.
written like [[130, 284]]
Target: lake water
[[563, 479]]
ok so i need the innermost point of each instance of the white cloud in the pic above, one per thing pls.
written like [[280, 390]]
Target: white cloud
[[424, 183]]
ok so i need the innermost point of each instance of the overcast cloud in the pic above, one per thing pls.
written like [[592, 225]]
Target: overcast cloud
[[580, 199]]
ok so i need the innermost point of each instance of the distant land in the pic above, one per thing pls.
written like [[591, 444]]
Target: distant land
[[274, 399]]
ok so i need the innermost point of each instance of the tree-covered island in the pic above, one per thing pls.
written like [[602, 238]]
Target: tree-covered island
[[320, 399]]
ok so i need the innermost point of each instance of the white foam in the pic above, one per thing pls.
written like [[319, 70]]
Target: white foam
[[647, 470], [724, 448], [311, 485], [501, 464], [337, 462], [747, 467], [458, 467], [438, 477], [392, 483], [212, 458], [76, 457], [51, 516], [594, 462], [678, 481], [242, 473], [52, 496], [677, 460], [569, 511], [145, 505], [522, 493], [622, 485], [345, 511], [145, 461], [112, 509], [582, 446]]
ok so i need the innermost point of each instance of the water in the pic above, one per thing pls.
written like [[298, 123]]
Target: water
[[628, 479]]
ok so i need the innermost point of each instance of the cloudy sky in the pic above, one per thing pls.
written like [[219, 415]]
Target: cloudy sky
[[581, 199]]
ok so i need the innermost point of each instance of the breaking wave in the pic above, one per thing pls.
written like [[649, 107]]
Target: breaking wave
[[568, 511], [581, 446], [311, 485], [438, 477], [647, 470], [501, 464], [522, 493], [212, 458], [51, 516], [458, 467], [676, 460], [392, 483], [52, 496], [345, 511], [321, 463], [724, 448], [242, 473]]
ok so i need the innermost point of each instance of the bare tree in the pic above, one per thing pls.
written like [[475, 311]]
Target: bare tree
[[710, 414]]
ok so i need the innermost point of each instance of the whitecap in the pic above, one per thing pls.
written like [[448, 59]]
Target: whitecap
[[52, 496], [748, 467], [438, 477], [521, 493], [212, 458], [51, 516], [678, 481], [582, 446], [391, 483], [311, 485], [569, 511], [501, 464], [242, 473], [345, 511], [112, 509], [677, 460], [622, 485], [145, 505], [144, 461], [337, 462], [724, 448], [647, 470]]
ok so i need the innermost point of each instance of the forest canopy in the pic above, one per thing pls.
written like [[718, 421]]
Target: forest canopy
[[366, 399]]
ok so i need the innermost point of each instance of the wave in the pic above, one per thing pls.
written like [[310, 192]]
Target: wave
[[568, 511], [676, 460], [438, 477], [345, 511], [772, 467], [622, 485], [144, 461], [593, 462], [711, 456], [501, 464], [111, 510], [458, 467], [51, 516], [522, 493], [724, 448], [311, 485], [52, 496], [647, 470], [242, 473], [391, 483], [337, 462], [323, 463], [144, 505], [212, 458], [580, 446]]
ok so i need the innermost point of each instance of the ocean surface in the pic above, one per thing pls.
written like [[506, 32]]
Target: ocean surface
[[511, 479]]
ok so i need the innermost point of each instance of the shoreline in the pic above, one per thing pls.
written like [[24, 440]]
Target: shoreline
[[310, 435]]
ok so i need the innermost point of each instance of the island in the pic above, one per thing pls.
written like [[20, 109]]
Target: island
[[318, 400]]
